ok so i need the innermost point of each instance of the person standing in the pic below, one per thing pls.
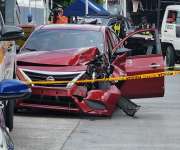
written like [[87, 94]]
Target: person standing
[[59, 18], [119, 27]]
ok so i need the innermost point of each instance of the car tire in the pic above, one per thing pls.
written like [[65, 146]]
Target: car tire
[[170, 57], [9, 110], [9, 114]]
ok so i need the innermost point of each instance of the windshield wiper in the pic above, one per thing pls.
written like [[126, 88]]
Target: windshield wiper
[[30, 49]]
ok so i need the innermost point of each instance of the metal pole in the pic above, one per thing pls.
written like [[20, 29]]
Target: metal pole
[[47, 10], [29, 6], [86, 9], [51, 4], [2, 7], [106, 4], [125, 9], [44, 11], [35, 16], [158, 14], [2, 20]]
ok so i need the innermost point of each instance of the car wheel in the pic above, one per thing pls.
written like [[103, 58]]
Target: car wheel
[[9, 110], [170, 57], [9, 113]]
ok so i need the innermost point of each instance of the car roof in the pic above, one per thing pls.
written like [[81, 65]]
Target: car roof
[[99, 19], [73, 26], [106, 17], [173, 7]]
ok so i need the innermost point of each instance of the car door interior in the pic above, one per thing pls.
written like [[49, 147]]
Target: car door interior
[[141, 46]]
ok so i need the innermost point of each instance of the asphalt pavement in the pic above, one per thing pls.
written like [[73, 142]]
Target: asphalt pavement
[[155, 127]]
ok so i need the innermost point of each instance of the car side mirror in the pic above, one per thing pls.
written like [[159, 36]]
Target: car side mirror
[[9, 33], [13, 89]]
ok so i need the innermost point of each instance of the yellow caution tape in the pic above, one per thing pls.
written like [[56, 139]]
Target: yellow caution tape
[[120, 78], [165, 68]]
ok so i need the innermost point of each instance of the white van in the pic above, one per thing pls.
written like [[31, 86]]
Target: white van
[[170, 34]]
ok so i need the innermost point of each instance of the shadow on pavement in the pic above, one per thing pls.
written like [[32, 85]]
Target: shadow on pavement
[[53, 114]]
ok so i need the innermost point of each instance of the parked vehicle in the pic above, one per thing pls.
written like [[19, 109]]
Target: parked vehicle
[[7, 62], [10, 90], [111, 21], [78, 52], [170, 35]]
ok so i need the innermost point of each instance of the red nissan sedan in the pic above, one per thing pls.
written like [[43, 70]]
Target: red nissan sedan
[[78, 52]]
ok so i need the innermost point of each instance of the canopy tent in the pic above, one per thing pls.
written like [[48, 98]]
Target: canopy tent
[[77, 8]]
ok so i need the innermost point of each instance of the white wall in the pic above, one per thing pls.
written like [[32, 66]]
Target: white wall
[[33, 3], [36, 8]]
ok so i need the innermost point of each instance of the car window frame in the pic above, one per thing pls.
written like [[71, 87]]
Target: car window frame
[[109, 43], [115, 35], [157, 40], [169, 16]]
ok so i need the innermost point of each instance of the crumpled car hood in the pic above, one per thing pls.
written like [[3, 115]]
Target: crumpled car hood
[[66, 57]]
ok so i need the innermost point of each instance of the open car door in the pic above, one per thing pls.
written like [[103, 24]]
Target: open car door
[[144, 57]]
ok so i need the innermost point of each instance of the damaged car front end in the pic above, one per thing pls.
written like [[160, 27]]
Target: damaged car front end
[[95, 98]]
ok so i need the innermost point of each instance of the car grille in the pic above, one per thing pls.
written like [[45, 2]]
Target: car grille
[[52, 100], [35, 76]]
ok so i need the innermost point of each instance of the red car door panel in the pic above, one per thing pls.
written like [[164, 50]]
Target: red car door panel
[[145, 58], [143, 88]]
